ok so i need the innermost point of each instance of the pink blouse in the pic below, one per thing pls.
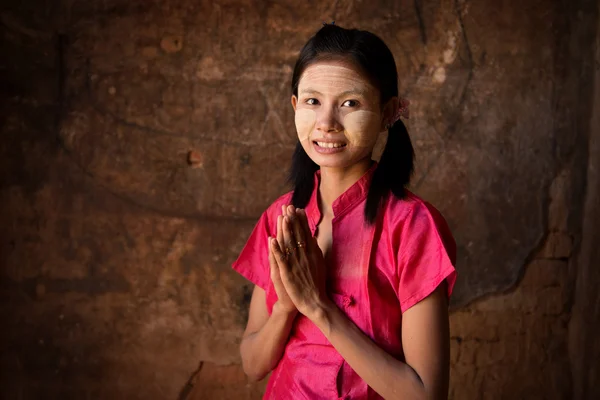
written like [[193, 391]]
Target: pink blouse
[[376, 273]]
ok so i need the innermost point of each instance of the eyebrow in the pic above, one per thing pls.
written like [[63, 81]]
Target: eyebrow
[[343, 94]]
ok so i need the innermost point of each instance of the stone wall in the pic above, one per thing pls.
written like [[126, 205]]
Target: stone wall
[[142, 140]]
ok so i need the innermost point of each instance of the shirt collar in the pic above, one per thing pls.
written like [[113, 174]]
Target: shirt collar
[[353, 196]]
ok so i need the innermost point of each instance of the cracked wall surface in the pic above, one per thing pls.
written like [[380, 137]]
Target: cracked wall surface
[[142, 140]]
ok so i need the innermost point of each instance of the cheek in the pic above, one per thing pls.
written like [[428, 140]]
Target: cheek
[[305, 123], [362, 127]]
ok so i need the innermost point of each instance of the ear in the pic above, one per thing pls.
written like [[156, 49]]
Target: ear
[[294, 102], [389, 111]]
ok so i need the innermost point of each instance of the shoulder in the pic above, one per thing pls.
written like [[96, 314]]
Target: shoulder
[[410, 206], [414, 217]]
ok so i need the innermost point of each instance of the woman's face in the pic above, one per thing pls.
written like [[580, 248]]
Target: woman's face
[[338, 114]]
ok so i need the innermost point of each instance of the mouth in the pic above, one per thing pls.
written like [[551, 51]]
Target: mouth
[[329, 145]]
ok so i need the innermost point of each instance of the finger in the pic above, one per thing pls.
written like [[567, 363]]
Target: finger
[[284, 210], [280, 231], [308, 237], [288, 238], [284, 269], [296, 224], [274, 268], [311, 241], [278, 256], [299, 232]]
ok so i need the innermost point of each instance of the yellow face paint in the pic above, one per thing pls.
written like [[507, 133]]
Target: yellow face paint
[[305, 123], [332, 85], [359, 126], [331, 80], [362, 127]]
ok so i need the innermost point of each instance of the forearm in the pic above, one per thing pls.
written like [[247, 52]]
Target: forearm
[[391, 378], [262, 350]]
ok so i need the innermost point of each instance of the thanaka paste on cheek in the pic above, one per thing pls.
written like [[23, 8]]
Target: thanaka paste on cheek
[[362, 127], [305, 123]]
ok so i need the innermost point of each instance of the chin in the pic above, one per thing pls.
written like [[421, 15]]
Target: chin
[[337, 160], [331, 164]]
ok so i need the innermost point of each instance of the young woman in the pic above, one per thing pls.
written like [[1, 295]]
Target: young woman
[[352, 272]]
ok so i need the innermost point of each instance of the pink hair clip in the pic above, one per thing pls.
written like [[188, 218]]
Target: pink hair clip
[[402, 111]]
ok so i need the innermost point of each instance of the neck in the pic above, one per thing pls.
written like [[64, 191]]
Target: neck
[[335, 181]]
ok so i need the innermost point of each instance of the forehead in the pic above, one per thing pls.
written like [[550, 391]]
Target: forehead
[[334, 74]]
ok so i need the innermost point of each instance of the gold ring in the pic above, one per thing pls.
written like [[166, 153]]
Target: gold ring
[[301, 244], [289, 251]]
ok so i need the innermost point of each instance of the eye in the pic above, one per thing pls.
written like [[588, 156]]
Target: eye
[[312, 102], [350, 103]]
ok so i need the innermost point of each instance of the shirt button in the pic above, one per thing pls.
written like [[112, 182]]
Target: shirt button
[[348, 301]]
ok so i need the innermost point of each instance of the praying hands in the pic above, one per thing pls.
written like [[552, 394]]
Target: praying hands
[[297, 265]]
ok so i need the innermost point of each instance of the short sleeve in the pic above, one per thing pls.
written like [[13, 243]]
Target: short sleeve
[[253, 261], [427, 254]]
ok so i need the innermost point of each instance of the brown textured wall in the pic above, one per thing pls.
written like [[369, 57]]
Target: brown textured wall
[[585, 320], [116, 252]]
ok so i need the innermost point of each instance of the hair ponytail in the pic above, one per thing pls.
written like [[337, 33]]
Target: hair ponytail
[[301, 176], [394, 171]]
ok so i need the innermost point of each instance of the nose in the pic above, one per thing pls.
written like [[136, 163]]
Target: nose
[[328, 121]]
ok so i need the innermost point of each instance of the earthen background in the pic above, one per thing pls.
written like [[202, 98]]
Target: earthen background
[[115, 274]]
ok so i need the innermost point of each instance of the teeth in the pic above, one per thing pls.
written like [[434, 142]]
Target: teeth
[[330, 145]]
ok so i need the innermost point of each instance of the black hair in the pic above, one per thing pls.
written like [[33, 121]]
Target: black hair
[[369, 53]]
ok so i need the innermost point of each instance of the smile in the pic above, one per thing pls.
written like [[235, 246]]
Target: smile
[[330, 145]]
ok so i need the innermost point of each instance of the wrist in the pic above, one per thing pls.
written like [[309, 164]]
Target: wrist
[[283, 311], [322, 317]]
